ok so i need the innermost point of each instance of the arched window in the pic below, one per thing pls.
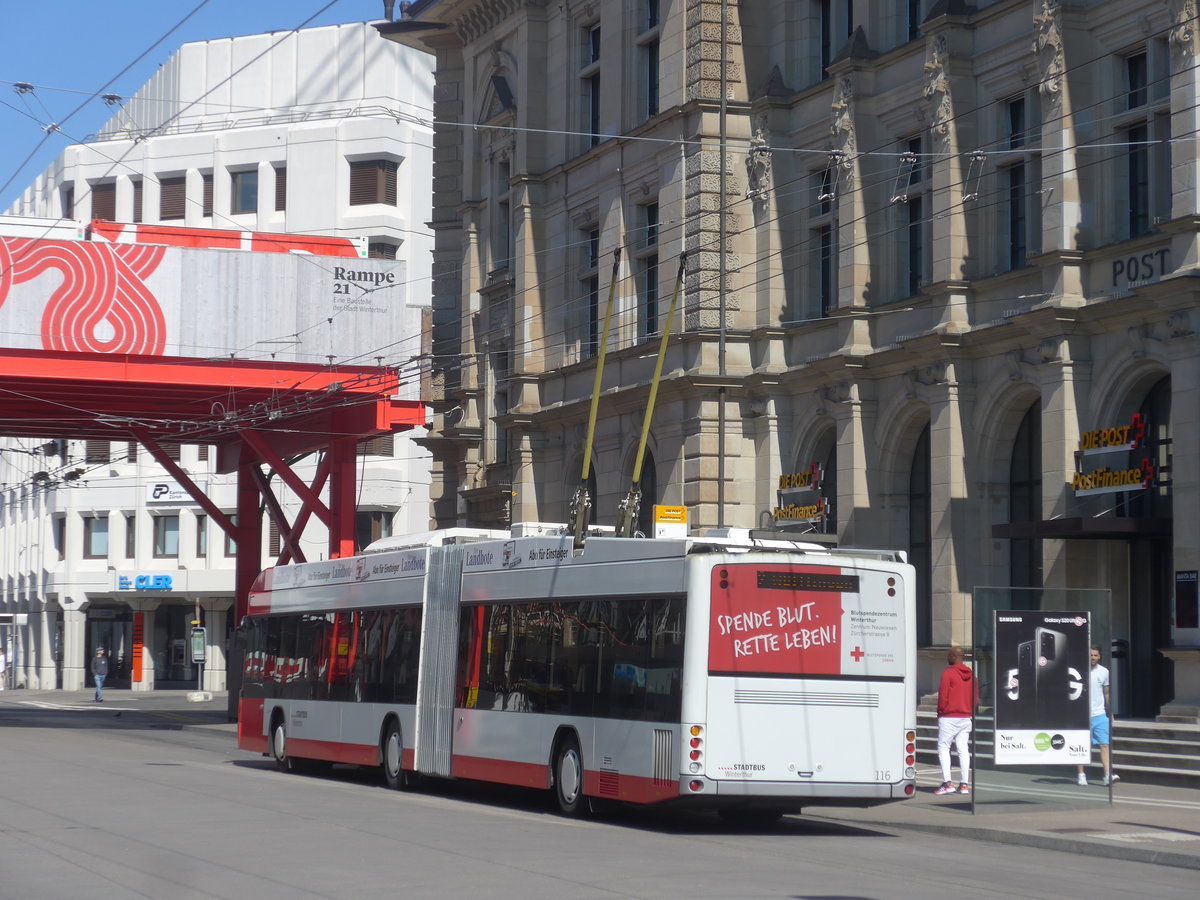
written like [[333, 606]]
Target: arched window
[[829, 489], [648, 485], [591, 490], [1025, 499], [919, 543], [1155, 502]]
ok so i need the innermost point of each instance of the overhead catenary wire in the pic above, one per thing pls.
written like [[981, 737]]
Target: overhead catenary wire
[[890, 230], [865, 153]]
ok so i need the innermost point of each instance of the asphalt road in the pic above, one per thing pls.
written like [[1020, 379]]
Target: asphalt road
[[120, 800]]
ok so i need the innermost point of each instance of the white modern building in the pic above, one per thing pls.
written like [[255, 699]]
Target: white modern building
[[318, 132]]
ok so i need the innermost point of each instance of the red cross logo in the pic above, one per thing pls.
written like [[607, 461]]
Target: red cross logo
[[858, 654]]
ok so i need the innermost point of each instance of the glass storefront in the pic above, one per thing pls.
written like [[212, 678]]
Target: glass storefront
[[110, 625]]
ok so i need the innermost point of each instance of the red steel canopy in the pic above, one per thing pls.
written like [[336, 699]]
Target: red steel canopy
[[255, 413]]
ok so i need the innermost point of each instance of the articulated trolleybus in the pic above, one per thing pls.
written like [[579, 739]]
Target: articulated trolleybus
[[756, 677]]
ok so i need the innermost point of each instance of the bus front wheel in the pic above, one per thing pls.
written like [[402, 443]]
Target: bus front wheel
[[568, 779]]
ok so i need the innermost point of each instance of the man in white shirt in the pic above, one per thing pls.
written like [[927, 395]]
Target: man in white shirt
[[1101, 711]]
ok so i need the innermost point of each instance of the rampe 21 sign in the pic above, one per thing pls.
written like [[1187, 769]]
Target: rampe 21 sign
[[161, 290], [1134, 475]]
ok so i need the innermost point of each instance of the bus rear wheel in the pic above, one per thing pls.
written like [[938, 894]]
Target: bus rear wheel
[[568, 779], [279, 746], [394, 773]]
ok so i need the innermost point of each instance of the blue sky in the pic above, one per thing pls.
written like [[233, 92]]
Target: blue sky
[[70, 49]]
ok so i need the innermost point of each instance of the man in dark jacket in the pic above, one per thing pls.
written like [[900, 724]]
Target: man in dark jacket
[[99, 672], [958, 696]]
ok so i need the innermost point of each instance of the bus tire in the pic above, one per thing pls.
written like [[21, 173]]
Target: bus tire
[[279, 744], [392, 760], [568, 779]]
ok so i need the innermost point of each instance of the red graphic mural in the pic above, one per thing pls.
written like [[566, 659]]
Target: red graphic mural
[[102, 304], [223, 239]]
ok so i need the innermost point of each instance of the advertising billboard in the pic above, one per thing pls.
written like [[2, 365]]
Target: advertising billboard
[[1042, 713], [295, 298]]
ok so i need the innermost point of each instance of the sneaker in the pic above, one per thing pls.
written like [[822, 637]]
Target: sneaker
[[946, 788], [964, 788], [1082, 779], [1113, 779]]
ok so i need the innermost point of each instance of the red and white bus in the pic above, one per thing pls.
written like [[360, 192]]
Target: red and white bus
[[756, 677]]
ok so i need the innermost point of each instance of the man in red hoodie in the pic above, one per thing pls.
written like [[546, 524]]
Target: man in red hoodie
[[958, 695]]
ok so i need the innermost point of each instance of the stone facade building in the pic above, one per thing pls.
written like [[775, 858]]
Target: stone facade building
[[939, 250]]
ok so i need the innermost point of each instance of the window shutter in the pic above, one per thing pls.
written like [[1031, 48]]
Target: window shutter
[[362, 182], [373, 181], [171, 199], [280, 188], [96, 452], [68, 202], [384, 445], [137, 200], [104, 201], [207, 209], [273, 541], [388, 178]]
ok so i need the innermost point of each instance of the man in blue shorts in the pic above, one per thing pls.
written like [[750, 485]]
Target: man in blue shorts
[[1101, 710]]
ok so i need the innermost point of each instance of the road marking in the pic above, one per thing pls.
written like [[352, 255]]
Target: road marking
[[94, 707], [1142, 837]]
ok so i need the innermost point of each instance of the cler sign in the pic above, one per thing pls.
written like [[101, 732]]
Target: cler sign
[[1106, 479]]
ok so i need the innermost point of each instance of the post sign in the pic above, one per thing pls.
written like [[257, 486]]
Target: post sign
[[1042, 704], [800, 501], [1114, 474], [670, 521]]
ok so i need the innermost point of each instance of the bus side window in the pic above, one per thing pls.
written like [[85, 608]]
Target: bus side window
[[664, 690]]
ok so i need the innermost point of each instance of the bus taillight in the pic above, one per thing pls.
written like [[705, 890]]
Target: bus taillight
[[696, 785], [696, 743]]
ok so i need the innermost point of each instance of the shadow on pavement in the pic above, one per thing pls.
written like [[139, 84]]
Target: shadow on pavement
[[674, 820]]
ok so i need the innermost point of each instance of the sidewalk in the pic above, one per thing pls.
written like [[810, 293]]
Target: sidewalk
[[172, 704], [1144, 823]]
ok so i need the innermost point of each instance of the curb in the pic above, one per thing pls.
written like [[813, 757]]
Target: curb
[[1038, 840]]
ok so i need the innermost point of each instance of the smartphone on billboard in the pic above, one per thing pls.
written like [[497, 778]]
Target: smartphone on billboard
[[1052, 687]]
